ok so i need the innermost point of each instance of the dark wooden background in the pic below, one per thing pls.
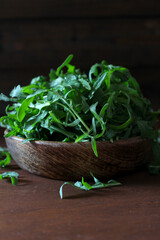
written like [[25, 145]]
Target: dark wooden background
[[39, 34]]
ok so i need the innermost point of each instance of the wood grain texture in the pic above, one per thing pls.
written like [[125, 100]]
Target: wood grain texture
[[33, 209], [79, 8], [128, 42], [68, 161]]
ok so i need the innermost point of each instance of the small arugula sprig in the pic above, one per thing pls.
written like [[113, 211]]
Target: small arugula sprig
[[12, 175], [71, 106], [5, 159], [86, 186]]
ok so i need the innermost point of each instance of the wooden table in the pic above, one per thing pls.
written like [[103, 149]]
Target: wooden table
[[33, 210]]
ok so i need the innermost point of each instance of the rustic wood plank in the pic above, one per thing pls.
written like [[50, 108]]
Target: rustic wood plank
[[34, 210], [79, 8], [130, 42]]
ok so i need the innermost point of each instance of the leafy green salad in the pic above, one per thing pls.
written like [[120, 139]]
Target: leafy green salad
[[72, 106]]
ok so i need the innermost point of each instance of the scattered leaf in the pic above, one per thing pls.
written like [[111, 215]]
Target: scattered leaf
[[86, 186]]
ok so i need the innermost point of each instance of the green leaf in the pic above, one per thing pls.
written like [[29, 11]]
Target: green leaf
[[99, 81], [73, 124], [11, 133], [22, 110], [32, 121], [94, 126], [4, 98], [104, 108], [94, 146], [5, 157], [39, 81], [80, 138], [54, 118], [12, 175], [94, 71], [100, 120], [61, 189], [16, 92], [93, 111], [65, 63], [39, 105], [94, 178], [71, 68], [86, 186], [53, 128], [37, 93], [124, 125], [85, 84], [28, 89]]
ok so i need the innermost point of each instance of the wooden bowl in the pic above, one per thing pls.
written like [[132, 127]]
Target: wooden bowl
[[71, 161]]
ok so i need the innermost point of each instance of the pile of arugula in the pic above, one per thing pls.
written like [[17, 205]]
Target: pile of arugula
[[71, 106]]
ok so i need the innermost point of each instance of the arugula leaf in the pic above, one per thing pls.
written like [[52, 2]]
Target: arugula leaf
[[65, 63], [22, 109], [94, 146], [94, 71], [12, 175], [5, 157], [86, 186], [3, 97], [16, 92]]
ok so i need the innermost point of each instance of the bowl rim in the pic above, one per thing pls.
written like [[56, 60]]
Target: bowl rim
[[128, 140]]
